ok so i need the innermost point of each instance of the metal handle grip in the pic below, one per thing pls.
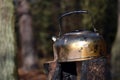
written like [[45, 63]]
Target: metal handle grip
[[73, 12]]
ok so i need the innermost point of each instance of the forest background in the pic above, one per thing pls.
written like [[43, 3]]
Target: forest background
[[36, 22]]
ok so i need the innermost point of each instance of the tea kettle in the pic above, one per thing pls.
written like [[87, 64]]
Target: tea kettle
[[78, 45]]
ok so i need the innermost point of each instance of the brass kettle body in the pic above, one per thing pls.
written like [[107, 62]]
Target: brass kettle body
[[79, 45]]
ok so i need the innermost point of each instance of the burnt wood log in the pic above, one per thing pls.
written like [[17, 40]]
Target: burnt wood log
[[95, 69], [53, 70]]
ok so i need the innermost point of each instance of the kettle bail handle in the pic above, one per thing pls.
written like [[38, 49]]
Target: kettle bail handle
[[74, 12]]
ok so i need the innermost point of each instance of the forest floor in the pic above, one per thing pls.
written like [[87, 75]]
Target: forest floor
[[31, 75]]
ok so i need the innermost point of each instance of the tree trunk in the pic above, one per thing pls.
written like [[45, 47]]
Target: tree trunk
[[116, 51], [26, 36], [7, 41]]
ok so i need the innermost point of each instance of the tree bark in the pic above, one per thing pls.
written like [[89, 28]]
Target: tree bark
[[7, 41], [116, 51], [29, 58]]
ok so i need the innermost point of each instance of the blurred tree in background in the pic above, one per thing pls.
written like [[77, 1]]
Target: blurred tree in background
[[7, 41], [26, 42], [116, 51]]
